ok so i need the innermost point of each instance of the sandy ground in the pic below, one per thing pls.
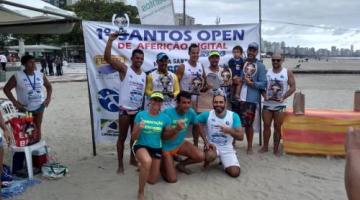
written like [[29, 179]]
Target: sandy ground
[[66, 128]]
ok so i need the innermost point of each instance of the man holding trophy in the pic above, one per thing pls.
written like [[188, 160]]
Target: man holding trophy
[[280, 86], [161, 80], [218, 80], [191, 74], [132, 87]]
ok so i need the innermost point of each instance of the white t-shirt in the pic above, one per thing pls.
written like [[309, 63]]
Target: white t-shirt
[[29, 89], [132, 90], [277, 86], [222, 141]]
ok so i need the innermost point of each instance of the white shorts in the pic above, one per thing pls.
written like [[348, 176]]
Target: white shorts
[[228, 158]]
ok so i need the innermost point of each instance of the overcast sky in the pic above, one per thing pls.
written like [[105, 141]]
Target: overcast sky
[[340, 19]]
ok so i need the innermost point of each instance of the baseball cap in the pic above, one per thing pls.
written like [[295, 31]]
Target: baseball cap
[[157, 95], [214, 53], [161, 56], [253, 45]]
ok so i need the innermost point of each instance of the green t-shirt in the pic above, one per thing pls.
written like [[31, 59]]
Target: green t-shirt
[[150, 135], [190, 119]]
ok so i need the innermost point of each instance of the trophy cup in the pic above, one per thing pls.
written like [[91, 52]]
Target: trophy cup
[[275, 91], [122, 22], [197, 84], [249, 70], [226, 77], [165, 83]]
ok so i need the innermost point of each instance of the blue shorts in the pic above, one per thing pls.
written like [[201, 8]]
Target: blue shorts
[[1, 142]]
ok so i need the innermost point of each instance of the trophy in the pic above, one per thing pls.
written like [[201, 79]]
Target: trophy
[[249, 69], [122, 22], [226, 77], [196, 84], [165, 83], [275, 90]]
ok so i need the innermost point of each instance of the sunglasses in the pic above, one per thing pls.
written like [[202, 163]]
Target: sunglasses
[[275, 60]]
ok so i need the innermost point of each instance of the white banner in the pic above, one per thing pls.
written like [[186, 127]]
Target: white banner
[[173, 40], [159, 12]]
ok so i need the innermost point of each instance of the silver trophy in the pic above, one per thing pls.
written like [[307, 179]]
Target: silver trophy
[[122, 22]]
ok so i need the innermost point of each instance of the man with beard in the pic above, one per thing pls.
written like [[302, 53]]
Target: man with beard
[[280, 86], [222, 127], [132, 87], [218, 79], [161, 80], [253, 82]]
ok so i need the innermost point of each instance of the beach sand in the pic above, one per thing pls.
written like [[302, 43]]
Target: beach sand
[[66, 129]]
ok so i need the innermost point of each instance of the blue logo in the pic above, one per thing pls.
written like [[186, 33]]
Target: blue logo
[[227, 123], [109, 100]]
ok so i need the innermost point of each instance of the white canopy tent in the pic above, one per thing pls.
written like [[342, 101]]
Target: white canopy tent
[[34, 17]]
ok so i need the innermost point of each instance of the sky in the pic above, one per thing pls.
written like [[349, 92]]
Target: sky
[[333, 23]]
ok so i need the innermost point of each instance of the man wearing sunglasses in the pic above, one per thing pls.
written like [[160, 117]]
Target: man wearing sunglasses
[[280, 86], [254, 81]]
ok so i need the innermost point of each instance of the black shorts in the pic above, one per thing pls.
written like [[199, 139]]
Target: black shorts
[[246, 111], [154, 153]]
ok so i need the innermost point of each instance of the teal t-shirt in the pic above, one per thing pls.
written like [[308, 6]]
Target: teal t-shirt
[[190, 119], [150, 135], [203, 117]]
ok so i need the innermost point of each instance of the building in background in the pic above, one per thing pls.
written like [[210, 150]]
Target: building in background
[[179, 19]]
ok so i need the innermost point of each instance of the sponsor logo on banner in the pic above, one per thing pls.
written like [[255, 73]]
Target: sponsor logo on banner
[[109, 127], [109, 100], [103, 67]]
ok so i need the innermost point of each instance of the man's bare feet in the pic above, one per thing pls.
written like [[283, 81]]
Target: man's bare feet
[[249, 151], [183, 169], [120, 169], [277, 150], [141, 196], [263, 149]]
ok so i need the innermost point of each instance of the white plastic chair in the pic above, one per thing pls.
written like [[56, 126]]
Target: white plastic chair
[[8, 112]]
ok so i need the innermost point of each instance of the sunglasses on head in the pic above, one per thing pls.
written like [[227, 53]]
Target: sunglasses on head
[[276, 60]]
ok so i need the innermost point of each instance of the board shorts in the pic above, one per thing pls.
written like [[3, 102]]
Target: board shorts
[[228, 158], [171, 152], [246, 112], [280, 108]]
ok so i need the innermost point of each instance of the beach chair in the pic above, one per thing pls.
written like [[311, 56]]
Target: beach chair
[[9, 111]]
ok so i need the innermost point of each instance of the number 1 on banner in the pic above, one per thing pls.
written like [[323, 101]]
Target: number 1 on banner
[[100, 32]]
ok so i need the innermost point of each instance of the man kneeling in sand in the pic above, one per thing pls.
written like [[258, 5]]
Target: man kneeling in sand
[[222, 126], [182, 116]]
